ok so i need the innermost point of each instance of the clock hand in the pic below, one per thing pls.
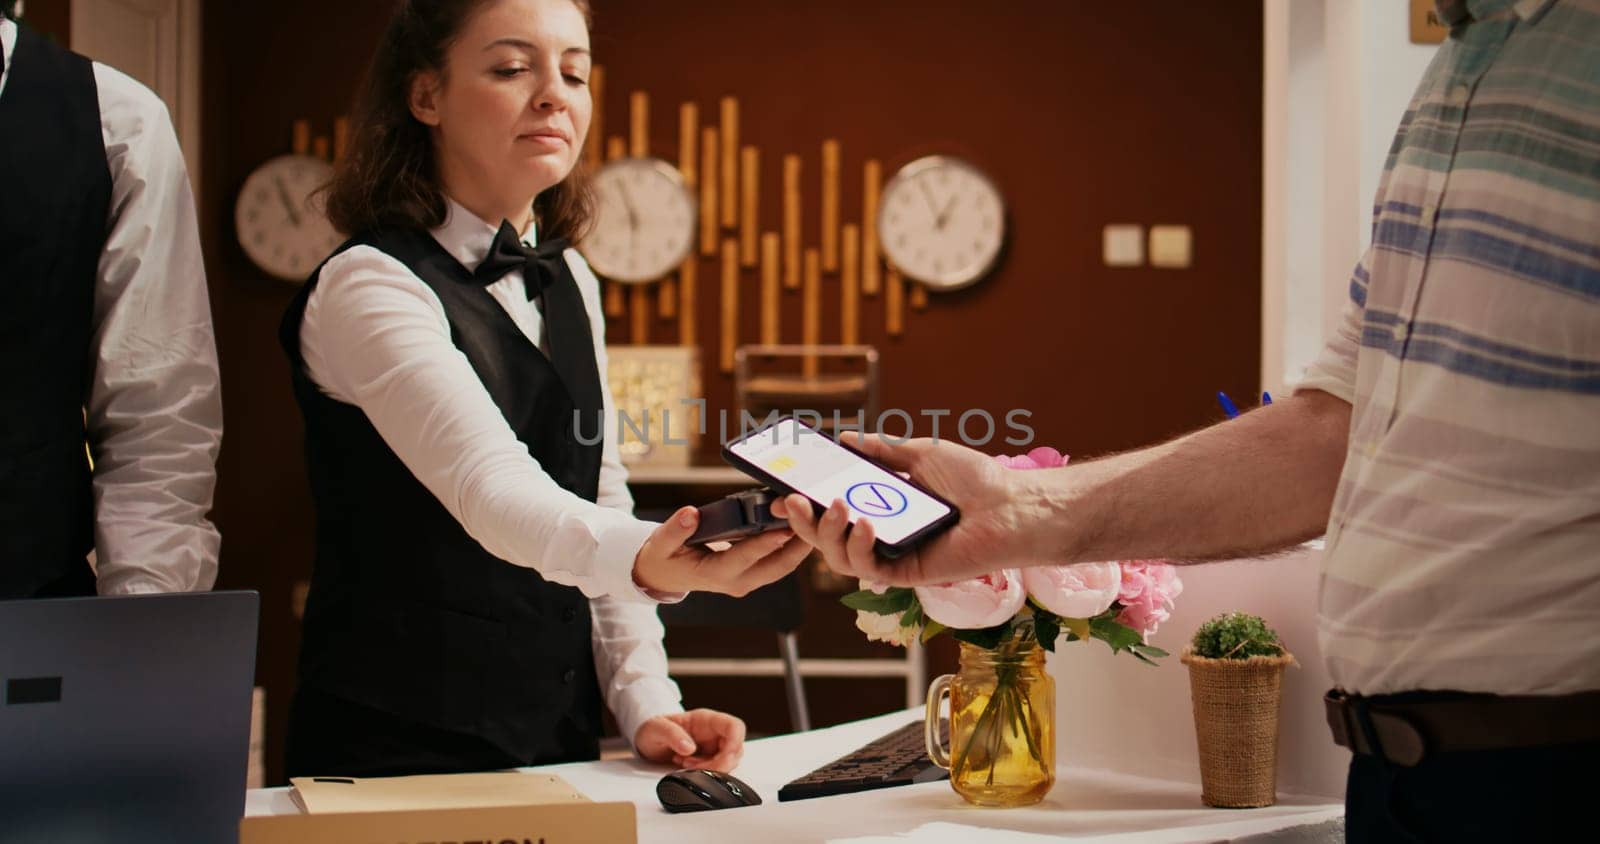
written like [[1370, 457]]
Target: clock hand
[[627, 202], [928, 195], [944, 215], [288, 205]]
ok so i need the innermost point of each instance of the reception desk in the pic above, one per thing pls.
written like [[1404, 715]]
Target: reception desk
[[1085, 805]]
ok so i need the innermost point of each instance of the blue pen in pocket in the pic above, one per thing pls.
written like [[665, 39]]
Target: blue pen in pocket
[[1227, 405]]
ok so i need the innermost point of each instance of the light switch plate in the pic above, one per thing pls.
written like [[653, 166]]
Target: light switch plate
[[1123, 245], [1171, 247]]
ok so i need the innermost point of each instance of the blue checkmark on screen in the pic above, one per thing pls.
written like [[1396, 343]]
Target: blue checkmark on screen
[[876, 499]]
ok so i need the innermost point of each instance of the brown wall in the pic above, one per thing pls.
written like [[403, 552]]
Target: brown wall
[[1084, 114]]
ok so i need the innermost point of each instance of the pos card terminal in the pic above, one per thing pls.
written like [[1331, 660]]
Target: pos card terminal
[[737, 516]]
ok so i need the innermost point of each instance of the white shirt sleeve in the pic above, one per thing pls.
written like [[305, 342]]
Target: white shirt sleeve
[[629, 656], [154, 408], [375, 336]]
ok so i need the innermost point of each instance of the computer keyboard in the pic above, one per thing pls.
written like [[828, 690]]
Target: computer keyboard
[[899, 758]]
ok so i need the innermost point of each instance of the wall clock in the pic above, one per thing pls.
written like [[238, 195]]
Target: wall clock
[[279, 225], [942, 222], [644, 225]]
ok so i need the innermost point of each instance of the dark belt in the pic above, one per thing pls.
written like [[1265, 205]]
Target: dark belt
[[1406, 728]]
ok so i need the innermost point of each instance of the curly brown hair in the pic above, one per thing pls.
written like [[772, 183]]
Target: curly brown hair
[[388, 177]]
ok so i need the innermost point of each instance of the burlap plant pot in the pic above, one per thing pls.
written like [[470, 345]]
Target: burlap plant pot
[[1236, 724]]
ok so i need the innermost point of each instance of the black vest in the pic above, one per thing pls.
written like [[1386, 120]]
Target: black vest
[[407, 613], [55, 197]]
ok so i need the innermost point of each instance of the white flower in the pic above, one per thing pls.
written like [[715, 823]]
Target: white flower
[[884, 628]]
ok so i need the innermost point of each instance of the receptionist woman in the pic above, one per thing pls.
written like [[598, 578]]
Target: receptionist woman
[[480, 583]]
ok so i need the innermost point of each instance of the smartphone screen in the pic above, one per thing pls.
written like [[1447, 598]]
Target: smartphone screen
[[801, 458]]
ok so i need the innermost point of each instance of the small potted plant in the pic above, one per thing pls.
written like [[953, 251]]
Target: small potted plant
[[1236, 667]]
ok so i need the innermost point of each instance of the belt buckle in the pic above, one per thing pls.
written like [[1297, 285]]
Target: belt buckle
[[1403, 743], [1400, 742]]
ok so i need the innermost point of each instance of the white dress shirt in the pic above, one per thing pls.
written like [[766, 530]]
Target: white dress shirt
[[154, 407], [375, 336]]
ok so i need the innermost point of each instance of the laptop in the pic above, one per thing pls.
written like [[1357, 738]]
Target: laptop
[[125, 719]]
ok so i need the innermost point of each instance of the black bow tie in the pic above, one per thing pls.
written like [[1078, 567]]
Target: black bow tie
[[541, 265]]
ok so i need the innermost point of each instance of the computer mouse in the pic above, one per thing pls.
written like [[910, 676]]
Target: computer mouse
[[692, 790]]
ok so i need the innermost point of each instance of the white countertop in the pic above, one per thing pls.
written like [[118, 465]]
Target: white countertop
[[1085, 805]]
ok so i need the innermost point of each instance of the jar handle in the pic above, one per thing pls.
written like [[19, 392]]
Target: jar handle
[[936, 751]]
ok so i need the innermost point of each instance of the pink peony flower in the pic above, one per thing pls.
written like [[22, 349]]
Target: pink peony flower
[[975, 603], [1147, 591], [1083, 590]]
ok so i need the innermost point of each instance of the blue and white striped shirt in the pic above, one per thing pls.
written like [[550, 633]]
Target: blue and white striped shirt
[[1464, 543]]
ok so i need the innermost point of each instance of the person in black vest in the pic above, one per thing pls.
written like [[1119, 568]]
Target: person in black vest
[[480, 583], [105, 336]]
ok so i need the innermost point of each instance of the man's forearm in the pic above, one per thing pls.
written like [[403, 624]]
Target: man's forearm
[[1250, 486]]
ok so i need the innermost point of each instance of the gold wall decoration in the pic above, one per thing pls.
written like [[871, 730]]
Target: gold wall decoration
[[770, 267], [811, 311], [791, 221], [638, 124], [830, 205], [689, 166], [749, 201], [871, 188], [709, 169], [894, 295], [849, 285], [730, 303], [730, 162], [686, 303], [725, 177], [592, 145]]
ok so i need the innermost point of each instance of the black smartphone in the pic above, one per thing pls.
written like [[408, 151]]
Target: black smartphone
[[791, 456]]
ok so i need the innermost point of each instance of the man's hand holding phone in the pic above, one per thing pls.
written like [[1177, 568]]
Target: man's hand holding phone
[[793, 457], [995, 525]]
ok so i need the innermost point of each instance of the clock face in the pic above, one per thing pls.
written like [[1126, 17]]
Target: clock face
[[279, 226], [644, 225], [941, 221]]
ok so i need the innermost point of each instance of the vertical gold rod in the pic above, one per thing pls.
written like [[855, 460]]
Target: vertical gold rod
[[615, 299], [750, 198], [593, 145], [871, 184], [689, 166], [688, 136], [849, 285], [770, 267], [319, 147], [811, 313], [686, 301], [791, 221], [730, 162], [708, 190], [894, 302], [919, 296], [830, 205], [300, 144], [341, 137], [730, 302], [639, 124], [639, 312]]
